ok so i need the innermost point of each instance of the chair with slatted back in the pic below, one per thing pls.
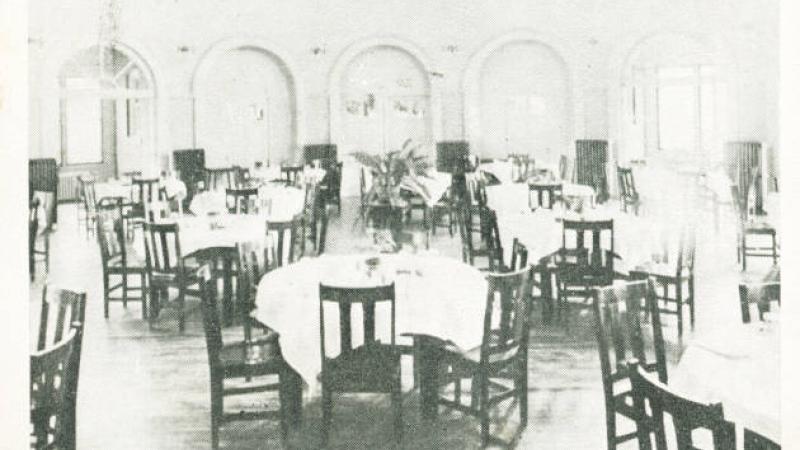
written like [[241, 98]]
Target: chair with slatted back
[[291, 174], [256, 258], [256, 360], [167, 268], [52, 407], [89, 198], [628, 195], [144, 194], [241, 201], [285, 247], [374, 366], [757, 298], [755, 441], [220, 178], [498, 368], [584, 266], [752, 226], [445, 207], [117, 258], [519, 256], [312, 217], [653, 398], [332, 186], [544, 195], [541, 277], [489, 246], [674, 283], [619, 313], [63, 311], [39, 236]]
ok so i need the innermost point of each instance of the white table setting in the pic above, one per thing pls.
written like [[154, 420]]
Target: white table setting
[[427, 295]]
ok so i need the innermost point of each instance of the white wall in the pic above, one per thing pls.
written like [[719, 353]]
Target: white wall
[[592, 37]]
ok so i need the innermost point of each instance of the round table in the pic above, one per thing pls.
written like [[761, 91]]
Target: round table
[[740, 367], [435, 296], [224, 230], [514, 197]]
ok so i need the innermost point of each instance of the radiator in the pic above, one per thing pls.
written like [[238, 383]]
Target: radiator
[[590, 166], [69, 188]]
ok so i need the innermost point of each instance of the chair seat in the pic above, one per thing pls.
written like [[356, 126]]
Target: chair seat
[[759, 227], [260, 355], [473, 356], [191, 269], [368, 368]]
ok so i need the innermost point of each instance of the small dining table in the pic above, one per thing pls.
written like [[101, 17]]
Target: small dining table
[[435, 296], [738, 366], [279, 202]]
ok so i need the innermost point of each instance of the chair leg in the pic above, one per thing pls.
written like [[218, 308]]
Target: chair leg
[[397, 405], [690, 300], [774, 249], [125, 290], [216, 414], [522, 381], [327, 409], [181, 310], [611, 427], [484, 409], [679, 306], [105, 294]]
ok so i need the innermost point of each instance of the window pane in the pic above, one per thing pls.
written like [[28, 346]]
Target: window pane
[[677, 117], [82, 117]]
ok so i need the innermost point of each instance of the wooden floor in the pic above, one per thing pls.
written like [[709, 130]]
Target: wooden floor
[[144, 388]]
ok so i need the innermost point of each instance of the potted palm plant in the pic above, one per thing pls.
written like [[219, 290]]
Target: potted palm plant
[[392, 173]]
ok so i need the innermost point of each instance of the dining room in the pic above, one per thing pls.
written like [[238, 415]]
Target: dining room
[[416, 224]]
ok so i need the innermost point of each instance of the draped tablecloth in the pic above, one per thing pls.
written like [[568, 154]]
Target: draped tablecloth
[[541, 233], [436, 296], [740, 367], [279, 202], [173, 187], [513, 197], [225, 230]]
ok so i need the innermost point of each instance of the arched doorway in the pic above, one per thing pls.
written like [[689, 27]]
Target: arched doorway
[[106, 112], [245, 107], [384, 100], [518, 99]]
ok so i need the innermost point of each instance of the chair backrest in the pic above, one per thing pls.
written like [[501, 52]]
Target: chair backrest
[[88, 192], [212, 323], [344, 298], [506, 318], [145, 190], [619, 311], [256, 257], [519, 256], [755, 441], [600, 249], [489, 234], [278, 230], [627, 187], [52, 403], [687, 414], [290, 173], [162, 247], [564, 172], [61, 310], [590, 165], [546, 195], [220, 178], [241, 201], [110, 238], [759, 296]]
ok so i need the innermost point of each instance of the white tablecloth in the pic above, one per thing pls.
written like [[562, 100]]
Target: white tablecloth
[[112, 188], [434, 295], [279, 202], [541, 233], [513, 198], [740, 367], [227, 230]]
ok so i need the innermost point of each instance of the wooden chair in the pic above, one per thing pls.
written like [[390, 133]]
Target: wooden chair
[[257, 360], [755, 441], [52, 407], [291, 174], [445, 207], [674, 284], [499, 367], [582, 267], [619, 311], [546, 195], [687, 414], [565, 169], [88, 203], [314, 220], [166, 268], [145, 192], [489, 246], [221, 178], [278, 229], [747, 228], [519, 256], [628, 195], [117, 259], [38, 240], [256, 258], [331, 186], [372, 367], [69, 314], [241, 201], [541, 278], [759, 296]]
